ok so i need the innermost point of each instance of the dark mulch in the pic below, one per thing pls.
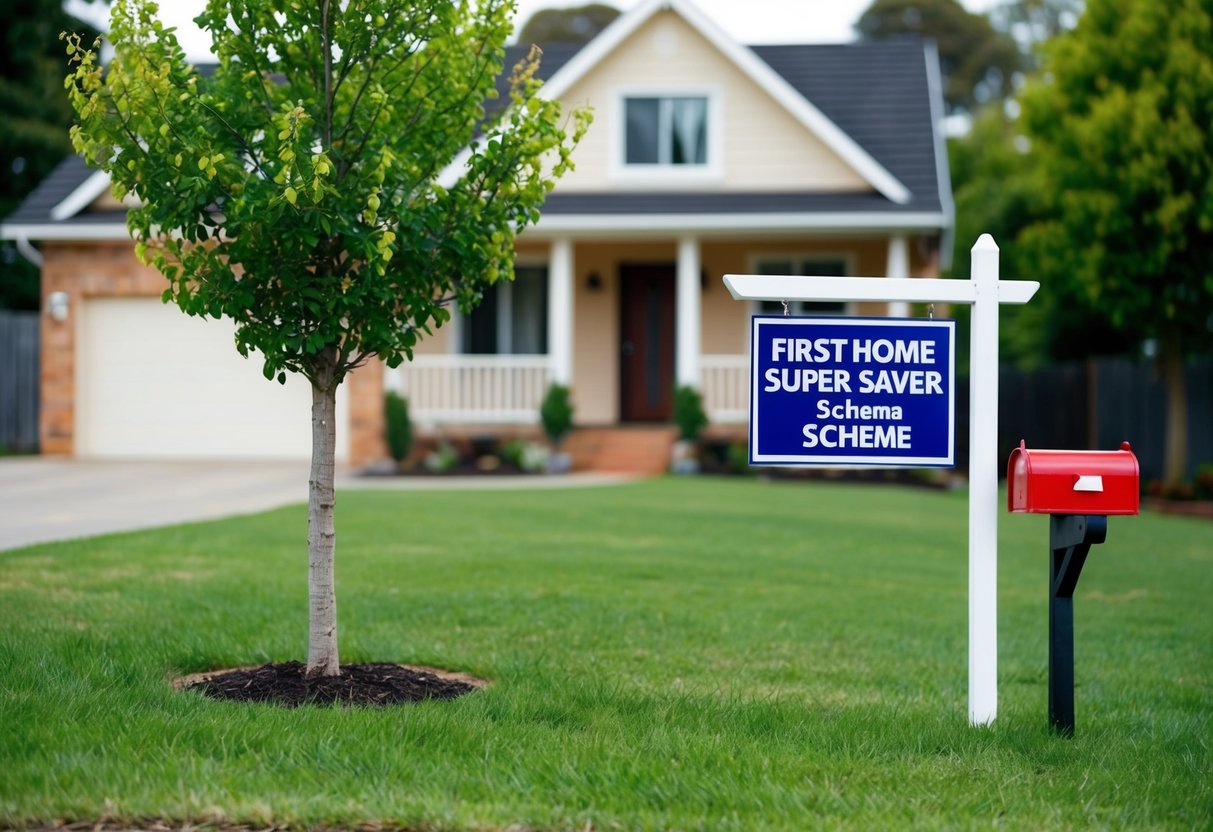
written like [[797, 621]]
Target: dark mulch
[[359, 684]]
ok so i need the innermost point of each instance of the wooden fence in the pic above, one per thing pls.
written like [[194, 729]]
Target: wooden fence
[[1100, 403], [18, 382]]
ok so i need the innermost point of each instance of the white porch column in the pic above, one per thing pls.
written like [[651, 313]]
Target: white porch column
[[898, 265], [688, 344], [560, 310]]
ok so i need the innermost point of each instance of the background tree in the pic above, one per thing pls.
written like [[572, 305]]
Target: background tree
[[978, 63], [1032, 23], [296, 189], [33, 130], [579, 24], [1123, 121]]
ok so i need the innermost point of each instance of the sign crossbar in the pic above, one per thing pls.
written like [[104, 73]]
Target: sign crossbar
[[985, 292], [917, 290]]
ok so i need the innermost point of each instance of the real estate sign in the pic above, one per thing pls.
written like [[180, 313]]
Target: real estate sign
[[852, 391]]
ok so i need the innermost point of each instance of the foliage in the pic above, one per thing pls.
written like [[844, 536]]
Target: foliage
[[556, 413], [578, 24], [33, 131], [1032, 23], [443, 458], [399, 428], [525, 455], [1123, 125], [300, 178], [688, 412], [999, 185], [1123, 122], [978, 62], [331, 186], [681, 653]]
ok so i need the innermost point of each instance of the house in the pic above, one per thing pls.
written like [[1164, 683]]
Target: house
[[706, 157]]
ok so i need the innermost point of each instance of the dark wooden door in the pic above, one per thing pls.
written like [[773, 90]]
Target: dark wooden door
[[646, 343]]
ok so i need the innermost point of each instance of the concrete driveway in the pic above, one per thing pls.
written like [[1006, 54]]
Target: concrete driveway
[[48, 498]]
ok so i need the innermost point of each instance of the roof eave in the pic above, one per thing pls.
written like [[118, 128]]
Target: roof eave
[[65, 232], [738, 225]]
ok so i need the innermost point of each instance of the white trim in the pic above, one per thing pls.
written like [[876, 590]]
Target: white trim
[[560, 310], [83, 196], [897, 264], [688, 322], [46, 231], [27, 250], [917, 289], [751, 65], [659, 176], [942, 173], [607, 224]]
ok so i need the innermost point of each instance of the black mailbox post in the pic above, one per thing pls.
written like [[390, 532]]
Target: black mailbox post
[[1078, 490]]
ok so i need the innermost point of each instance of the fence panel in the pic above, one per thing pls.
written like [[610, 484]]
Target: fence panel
[[19, 381], [1096, 404]]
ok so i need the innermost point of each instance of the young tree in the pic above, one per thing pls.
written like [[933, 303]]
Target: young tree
[[1122, 120], [296, 188]]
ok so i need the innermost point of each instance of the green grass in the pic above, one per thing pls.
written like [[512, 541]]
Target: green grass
[[679, 653]]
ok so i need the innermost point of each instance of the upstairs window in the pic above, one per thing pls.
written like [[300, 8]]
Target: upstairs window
[[812, 266], [667, 130], [512, 318]]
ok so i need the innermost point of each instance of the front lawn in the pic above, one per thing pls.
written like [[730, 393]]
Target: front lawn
[[678, 653]]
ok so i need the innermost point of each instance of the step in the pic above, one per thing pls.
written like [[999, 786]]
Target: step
[[633, 450]]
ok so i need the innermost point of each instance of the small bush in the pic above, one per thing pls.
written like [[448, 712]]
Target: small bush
[[399, 428], [739, 458], [556, 413], [526, 456], [688, 413], [442, 459]]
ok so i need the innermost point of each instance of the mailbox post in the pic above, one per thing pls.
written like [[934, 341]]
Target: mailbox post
[[1078, 490]]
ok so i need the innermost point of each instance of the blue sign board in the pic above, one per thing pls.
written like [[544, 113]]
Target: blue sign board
[[852, 391]]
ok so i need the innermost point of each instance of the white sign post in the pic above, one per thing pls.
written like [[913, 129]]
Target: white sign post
[[984, 291]]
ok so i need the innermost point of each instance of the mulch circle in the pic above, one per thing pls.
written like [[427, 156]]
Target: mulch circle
[[284, 684]]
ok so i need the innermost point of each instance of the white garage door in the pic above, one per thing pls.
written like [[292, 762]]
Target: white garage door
[[154, 382]]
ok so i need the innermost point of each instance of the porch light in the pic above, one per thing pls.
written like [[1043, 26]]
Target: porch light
[[593, 282], [57, 304]]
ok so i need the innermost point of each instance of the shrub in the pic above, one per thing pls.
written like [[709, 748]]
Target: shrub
[[442, 459], [526, 456], [688, 413], [556, 413], [399, 428]]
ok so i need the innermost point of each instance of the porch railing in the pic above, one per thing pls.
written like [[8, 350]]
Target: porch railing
[[473, 389], [726, 387], [508, 389]]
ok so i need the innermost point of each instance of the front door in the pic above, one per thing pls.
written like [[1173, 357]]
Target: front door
[[646, 363]]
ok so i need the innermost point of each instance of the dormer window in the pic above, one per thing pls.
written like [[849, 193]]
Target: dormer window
[[668, 130]]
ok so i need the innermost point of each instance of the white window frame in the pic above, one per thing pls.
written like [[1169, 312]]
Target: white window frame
[[846, 258], [505, 323], [711, 173]]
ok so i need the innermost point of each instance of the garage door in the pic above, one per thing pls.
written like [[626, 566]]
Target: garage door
[[152, 382]]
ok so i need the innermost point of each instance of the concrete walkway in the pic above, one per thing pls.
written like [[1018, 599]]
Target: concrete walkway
[[47, 498]]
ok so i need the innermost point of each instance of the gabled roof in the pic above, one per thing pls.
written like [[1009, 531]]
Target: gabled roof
[[801, 108], [883, 98]]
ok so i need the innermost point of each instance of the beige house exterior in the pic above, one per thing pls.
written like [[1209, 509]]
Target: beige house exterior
[[705, 158]]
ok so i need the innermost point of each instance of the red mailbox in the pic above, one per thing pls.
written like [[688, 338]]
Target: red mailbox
[[1073, 482]]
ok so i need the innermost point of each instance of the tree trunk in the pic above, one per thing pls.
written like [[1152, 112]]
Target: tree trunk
[[1176, 459], [321, 534]]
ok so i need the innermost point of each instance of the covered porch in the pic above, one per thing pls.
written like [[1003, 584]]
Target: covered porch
[[624, 321]]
